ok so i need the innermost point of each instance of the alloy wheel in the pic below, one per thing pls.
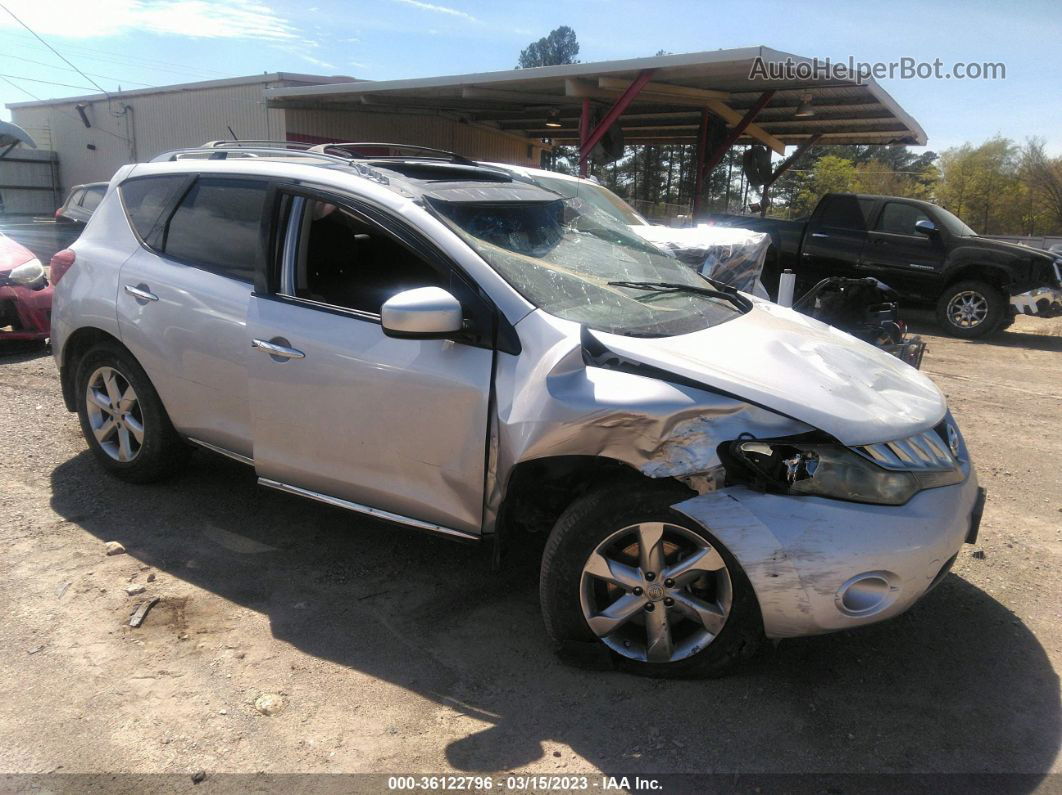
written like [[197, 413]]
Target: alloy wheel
[[114, 414], [967, 309], [655, 592]]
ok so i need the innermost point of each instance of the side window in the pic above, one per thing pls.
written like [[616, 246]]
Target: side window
[[348, 261], [216, 226], [75, 198], [146, 199], [93, 197], [900, 219], [846, 212]]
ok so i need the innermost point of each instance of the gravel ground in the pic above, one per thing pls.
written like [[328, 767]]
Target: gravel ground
[[388, 651]]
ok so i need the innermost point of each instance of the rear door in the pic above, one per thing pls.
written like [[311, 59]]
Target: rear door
[[182, 298], [835, 237], [345, 411], [905, 259]]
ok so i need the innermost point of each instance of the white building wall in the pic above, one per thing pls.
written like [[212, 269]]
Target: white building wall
[[132, 128], [136, 126]]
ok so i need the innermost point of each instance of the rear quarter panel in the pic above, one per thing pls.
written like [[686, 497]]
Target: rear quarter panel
[[85, 296]]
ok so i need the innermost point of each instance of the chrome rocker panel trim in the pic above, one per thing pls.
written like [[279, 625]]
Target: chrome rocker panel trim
[[377, 513]]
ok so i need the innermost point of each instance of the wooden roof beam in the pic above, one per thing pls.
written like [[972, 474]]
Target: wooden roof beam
[[705, 98]]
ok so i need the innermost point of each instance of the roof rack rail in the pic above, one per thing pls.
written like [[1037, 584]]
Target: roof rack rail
[[351, 148], [226, 143], [232, 153]]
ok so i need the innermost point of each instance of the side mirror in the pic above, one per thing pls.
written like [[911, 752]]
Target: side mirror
[[424, 312], [925, 227]]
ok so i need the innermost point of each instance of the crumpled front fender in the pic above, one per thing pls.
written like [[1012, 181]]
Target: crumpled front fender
[[783, 601]]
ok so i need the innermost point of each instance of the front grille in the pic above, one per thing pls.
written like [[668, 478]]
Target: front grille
[[919, 453]]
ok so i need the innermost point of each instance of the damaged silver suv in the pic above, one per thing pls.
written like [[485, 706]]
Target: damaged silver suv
[[424, 339]]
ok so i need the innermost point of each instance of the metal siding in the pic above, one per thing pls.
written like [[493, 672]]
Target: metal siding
[[155, 123], [27, 183], [409, 128]]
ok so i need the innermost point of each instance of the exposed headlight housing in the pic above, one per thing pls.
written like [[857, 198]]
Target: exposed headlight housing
[[27, 273], [813, 467]]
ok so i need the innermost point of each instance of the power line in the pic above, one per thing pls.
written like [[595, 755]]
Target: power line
[[64, 69], [117, 58], [63, 112], [20, 88], [50, 47], [48, 82]]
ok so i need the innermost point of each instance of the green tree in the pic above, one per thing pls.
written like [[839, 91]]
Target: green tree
[[559, 47], [830, 174], [983, 185]]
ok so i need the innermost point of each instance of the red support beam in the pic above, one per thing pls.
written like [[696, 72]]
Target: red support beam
[[698, 175], [584, 134], [736, 131], [786, 164], [589, 139], [783, 167]]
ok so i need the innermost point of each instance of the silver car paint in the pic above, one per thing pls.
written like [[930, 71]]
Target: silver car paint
[[803, 368], [398, 424], [192, 342], [417, 446], [798, 552]]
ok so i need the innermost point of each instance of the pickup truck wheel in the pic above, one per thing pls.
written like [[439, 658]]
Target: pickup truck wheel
[[971, 309], [663, 597], [122, 418]]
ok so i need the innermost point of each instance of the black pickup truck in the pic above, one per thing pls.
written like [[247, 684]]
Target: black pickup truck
[[922, 251]]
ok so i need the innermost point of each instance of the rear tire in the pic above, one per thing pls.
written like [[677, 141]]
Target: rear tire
[[701, 623], [971, 309], [123, 419]]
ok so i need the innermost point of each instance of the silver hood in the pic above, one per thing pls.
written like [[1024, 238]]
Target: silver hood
[[797, 366]]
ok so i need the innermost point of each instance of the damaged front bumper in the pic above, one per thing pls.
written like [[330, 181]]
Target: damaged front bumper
[[820, 565], [27, 311], [1039, 302]]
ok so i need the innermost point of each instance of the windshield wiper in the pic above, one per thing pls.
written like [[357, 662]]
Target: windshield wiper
[[730, 295]]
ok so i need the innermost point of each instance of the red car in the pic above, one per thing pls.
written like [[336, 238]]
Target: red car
[[25, 295]]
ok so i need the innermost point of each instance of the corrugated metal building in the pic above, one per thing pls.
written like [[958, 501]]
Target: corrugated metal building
[[94, 135]]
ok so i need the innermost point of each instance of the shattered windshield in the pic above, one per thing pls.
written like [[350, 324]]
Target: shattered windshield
[[598, 196], [561, 255]]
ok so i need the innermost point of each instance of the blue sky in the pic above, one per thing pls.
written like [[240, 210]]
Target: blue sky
[[134, 43]]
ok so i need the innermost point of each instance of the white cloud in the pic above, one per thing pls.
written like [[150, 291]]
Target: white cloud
[[453, 12], [76, 19], [317, 61]]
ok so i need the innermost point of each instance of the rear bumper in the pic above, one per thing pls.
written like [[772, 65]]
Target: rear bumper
[[32, 311], [820, 565]]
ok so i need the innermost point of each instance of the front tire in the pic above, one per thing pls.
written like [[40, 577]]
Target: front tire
[[971, 309], [665, 598], [123, 419]]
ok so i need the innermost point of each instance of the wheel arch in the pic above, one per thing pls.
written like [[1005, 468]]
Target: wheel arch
[[992, 275], [538, 490], [77, 345]]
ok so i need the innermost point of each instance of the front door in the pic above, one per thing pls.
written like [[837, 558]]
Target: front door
[[344, 411], [905, 259]]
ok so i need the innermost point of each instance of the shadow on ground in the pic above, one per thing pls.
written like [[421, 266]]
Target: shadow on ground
[[15, 351], [955, 685]]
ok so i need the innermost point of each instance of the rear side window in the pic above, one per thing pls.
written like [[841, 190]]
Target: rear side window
[[93, 197], [146, 200], [75, 198], [900, 219], [846, 212], [216, 226]]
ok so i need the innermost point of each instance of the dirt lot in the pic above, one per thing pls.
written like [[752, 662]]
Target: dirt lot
[[396, 652]]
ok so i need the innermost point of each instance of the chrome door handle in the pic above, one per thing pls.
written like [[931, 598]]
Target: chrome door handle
[[281, 351], [140, 293], [819, 234]]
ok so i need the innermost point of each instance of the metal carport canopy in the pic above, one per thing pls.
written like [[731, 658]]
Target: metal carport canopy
[[667, 108]]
